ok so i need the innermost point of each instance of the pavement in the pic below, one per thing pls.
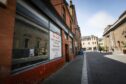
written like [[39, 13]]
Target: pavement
[[71, 73]]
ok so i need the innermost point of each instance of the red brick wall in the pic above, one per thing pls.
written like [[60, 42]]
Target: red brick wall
[[58, 4], [68, 18], [37, 74], [7, 17]]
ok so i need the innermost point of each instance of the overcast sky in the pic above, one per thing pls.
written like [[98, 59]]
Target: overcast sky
[[94, 15]]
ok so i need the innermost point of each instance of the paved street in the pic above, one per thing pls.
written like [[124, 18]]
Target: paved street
[[100, 68], [106, 69]]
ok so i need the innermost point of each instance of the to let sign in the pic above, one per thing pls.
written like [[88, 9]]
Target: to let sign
[[3, 2]]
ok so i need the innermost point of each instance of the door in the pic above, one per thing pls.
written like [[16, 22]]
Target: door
[[66, 53]]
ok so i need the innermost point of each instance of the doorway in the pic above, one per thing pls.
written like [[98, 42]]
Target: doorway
[[66, 53]]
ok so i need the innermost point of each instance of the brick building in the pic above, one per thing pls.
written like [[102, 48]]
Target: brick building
[[115, 35], [68, 14], [37, 38]]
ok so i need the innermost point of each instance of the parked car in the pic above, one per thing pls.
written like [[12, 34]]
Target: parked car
[[81, 52]]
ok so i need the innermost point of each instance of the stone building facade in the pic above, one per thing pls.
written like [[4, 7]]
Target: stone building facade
[[115, 35], [37, 38], [89, 43]]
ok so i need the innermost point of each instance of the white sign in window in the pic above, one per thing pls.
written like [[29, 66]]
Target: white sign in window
[[3, 2], [55, 45]]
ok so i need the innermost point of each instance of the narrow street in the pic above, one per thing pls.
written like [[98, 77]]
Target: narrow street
[[62, 42], [106, 69], [92, 68]]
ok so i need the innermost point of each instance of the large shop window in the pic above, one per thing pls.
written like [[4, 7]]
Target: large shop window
[[31, 44], [55, 41]]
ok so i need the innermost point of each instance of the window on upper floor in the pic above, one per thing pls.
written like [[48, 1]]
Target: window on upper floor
[[70, 24], [66, 36], [64, 14]]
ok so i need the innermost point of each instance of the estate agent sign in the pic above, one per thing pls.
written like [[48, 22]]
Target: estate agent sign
[[55, 45]]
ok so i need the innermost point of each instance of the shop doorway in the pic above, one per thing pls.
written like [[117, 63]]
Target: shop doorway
[[67, 53]]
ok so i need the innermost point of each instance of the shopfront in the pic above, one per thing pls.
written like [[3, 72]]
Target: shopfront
[[34, 44]]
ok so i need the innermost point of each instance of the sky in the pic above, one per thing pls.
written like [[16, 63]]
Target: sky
[[94, 15]]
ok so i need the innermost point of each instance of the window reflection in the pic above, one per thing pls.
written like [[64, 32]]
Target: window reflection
[[30, 44]]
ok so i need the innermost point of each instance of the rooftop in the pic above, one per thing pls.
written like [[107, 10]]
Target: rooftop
[[88, 37], [120, 20]]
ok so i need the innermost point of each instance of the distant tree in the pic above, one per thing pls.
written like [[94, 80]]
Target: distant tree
[[100, 48]]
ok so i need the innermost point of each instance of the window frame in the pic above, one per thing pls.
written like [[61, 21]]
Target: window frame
[[29, 58], [64, 13]]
